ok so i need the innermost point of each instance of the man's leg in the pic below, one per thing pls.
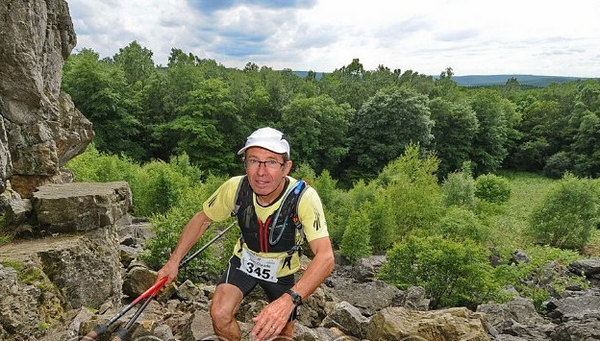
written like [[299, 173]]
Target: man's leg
[[224, 306]]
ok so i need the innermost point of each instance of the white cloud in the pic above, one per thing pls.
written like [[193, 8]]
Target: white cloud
[[473, 37]]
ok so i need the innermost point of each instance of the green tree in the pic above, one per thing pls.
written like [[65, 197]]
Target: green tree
[[99, 90], [453, 273], [567, 215], [455, 128], [136, 62], [490, 141], [317, 128], [385, 125], [206, 125], [356, 241]]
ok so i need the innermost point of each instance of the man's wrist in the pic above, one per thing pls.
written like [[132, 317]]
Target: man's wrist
[[296, 298]]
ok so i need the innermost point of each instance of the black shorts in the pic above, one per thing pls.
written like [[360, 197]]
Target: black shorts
[[234, 276]]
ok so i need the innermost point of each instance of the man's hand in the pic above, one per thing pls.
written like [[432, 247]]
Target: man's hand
[[170, 271], [273, 318]]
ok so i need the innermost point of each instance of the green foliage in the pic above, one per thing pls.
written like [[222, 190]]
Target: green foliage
[[492, 188], [567, 215], [156, 186], [318, 130], [455, 128], [459, 189], [453, 273], [96, 166], [540, 277], [489, 144], [168, 228], [462, 224], [159, 185], [356, 242], [385, 125], [411, 186]]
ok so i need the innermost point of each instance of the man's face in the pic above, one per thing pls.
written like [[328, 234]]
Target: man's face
[[266, 171]]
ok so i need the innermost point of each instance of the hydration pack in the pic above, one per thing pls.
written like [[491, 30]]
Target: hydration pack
[[278, 232]]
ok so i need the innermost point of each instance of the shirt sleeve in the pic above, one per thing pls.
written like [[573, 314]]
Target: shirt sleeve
[[219, 205], [311, 215]]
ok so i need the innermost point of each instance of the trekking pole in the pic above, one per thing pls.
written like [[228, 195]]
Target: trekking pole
[[102, 328], [148, 294]]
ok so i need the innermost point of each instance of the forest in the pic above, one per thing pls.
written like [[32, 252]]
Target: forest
[[441, 178]]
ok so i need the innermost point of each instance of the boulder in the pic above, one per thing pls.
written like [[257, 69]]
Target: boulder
[[347, 319], [517, 317], [80, 206], [453, 324]]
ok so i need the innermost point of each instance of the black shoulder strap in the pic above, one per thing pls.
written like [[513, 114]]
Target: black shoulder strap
[[243, 197]]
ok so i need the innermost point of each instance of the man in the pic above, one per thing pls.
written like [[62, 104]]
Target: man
[[267, 253]]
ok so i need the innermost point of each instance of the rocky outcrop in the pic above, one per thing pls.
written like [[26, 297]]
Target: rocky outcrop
[[40, 127], [76, 264]]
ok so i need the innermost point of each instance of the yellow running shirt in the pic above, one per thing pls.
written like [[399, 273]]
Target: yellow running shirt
[[220, 204]]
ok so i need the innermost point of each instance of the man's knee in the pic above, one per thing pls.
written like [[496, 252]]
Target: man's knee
[[221, 313]]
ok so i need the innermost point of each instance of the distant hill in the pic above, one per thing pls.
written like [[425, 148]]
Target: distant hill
[[530, 80], [489, 80]]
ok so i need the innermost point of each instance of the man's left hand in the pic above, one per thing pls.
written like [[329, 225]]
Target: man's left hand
[[273, 318]]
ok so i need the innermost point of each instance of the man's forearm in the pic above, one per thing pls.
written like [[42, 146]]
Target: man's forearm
[[317, 271], [192, 231]]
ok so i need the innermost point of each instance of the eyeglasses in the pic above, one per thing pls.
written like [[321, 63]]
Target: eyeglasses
[[269, 164]]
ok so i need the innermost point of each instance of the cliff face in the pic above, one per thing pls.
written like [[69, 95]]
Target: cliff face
[[40, 128]]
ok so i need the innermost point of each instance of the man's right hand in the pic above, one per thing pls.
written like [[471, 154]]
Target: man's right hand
[[170, 271]]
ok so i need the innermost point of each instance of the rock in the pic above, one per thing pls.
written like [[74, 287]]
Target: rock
[[574, 308], [368, 297], [40, 128], [18, 306], [81, 206], [517, 317], [347, 319], [589, 267], [588, 329], [137, 280], [365, 268], [199, 327], [453, 324]]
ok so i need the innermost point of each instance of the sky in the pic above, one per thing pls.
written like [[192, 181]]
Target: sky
[[473, 37]]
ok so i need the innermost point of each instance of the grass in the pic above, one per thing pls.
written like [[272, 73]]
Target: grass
[[508, 221]]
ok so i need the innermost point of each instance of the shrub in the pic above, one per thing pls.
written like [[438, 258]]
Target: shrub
[[356, 242], [95, 166], [459, 190], [453, 273], [567, 215], [168, 227], [461, 224], [557, 165], [158, 185], [492, 188], [540, 277]]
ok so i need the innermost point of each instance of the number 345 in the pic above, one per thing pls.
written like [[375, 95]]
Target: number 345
[[264, 273]]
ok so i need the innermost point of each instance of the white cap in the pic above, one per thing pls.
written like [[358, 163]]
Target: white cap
[[268, 138]]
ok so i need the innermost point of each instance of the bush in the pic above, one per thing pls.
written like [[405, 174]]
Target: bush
[[557, 165], [356, 242], [453, 273], [567, 215], [168, 227], [459, 190], [461, 224], [492, 188], [94, 166], [541, 277], [158, 185]]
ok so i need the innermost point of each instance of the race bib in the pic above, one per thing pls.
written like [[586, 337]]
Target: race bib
[[259, 267]]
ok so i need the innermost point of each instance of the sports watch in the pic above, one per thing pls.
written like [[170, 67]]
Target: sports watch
[[296, 298]]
